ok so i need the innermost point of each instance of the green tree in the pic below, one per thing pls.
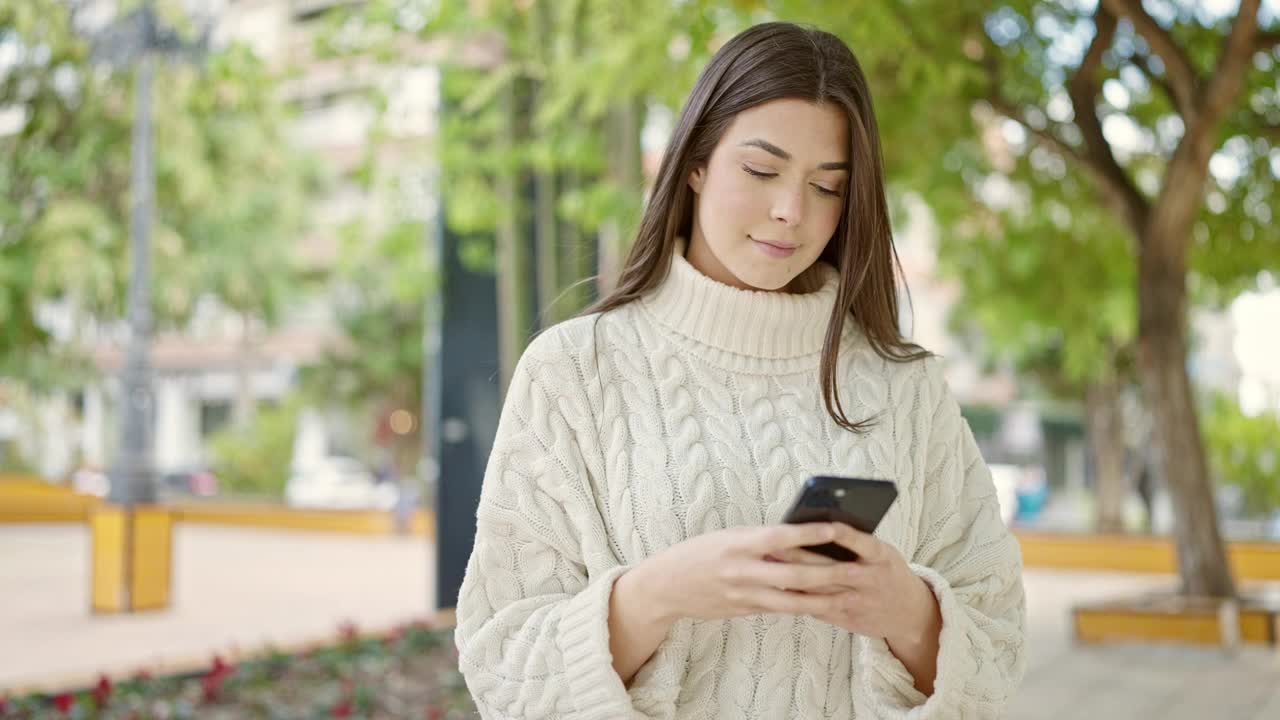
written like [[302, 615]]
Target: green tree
[[230, 190], [1131, 102], [1052, 289], [1243, 452], [380, 291], [541, 140]]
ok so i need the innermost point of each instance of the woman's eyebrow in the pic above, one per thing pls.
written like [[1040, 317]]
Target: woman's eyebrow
[[776, 151]]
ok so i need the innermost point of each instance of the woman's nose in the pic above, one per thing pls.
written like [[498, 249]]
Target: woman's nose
[[788, 207]]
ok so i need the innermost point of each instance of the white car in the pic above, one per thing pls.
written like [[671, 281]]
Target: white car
[[339, 483]]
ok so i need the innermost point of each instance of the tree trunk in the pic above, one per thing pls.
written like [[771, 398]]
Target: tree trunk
[[512, 252], [547, 242], [243, 410], [1106, 440], [578, 261], [1180, 458], [625, 172], [548, 247], [1163, 229], [1162, 313]]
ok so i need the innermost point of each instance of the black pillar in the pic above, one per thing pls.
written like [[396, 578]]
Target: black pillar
[[470, 401]]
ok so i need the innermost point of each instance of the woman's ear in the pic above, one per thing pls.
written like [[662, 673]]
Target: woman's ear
[[696, 178]]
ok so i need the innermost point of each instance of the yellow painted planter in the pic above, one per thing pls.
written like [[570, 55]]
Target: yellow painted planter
[[265, 515], [132, 558], [108, 531], [29, 499], [1172, 619], [1137, 554]]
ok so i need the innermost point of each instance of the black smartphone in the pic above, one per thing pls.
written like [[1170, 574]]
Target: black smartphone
[[859, 502]]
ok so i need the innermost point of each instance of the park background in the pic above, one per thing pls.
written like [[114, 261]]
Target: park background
[[362, 210]]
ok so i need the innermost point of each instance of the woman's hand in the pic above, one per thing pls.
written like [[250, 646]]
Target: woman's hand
[[727, 574], [879, 595], [719, 575]]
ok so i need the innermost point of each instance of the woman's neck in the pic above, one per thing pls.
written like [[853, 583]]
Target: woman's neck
[[757, 323]]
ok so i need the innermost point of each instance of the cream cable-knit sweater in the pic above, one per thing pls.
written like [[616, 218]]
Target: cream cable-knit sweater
[[696, 409]]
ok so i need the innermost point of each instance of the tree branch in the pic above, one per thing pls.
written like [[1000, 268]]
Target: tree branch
[[1047, 137], [1267, 40], [1004, 106], [1143, 63], [1184, 81], [1114, 185], [1237, 56], [1188, 169], [1083, 89]]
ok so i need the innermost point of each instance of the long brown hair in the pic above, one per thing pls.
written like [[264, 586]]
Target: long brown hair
[[763, 63]]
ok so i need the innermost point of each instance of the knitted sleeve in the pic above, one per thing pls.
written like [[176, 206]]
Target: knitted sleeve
[[973, 564], [532, 630]]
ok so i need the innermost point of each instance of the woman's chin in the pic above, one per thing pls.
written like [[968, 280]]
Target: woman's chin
[[764, 281]]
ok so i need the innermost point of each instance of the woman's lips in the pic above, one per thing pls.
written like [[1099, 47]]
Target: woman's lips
[[774, 250]]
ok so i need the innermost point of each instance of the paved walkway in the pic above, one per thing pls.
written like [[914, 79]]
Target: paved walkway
[[245, 588], [1132, 682], [232, 588]]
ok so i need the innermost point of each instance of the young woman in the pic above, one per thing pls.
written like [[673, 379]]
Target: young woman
[[630, 559]]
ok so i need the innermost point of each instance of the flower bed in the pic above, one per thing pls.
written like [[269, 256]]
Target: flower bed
[[408, 673]]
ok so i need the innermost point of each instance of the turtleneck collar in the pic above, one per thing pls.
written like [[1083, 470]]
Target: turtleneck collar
[[756, 323]]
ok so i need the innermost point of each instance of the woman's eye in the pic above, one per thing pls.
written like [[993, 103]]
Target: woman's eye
[[766, 175], [757, 173]]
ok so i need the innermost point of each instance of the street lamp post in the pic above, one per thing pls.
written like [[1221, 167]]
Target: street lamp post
[[133, 41], [133, 477], [131, 542]]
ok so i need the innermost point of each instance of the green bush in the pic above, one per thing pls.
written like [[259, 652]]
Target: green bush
[[1243, 452], [255, 460], [12, 460]]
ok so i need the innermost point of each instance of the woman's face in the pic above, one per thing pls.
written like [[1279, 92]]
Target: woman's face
[[770, 197]]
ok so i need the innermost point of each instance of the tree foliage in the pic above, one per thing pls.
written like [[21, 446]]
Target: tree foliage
[[254, 460], [231, 190], [1243, 451]]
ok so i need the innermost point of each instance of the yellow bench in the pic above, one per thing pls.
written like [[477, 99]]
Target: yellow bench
[[1137, 554], [28, 499]]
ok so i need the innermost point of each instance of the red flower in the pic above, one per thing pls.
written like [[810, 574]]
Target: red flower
[[211, 683], [434, 712], [4, 704], [220, 666], [102, 691], [342, 709], [348, 632], [64, 702], [143, 676]]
